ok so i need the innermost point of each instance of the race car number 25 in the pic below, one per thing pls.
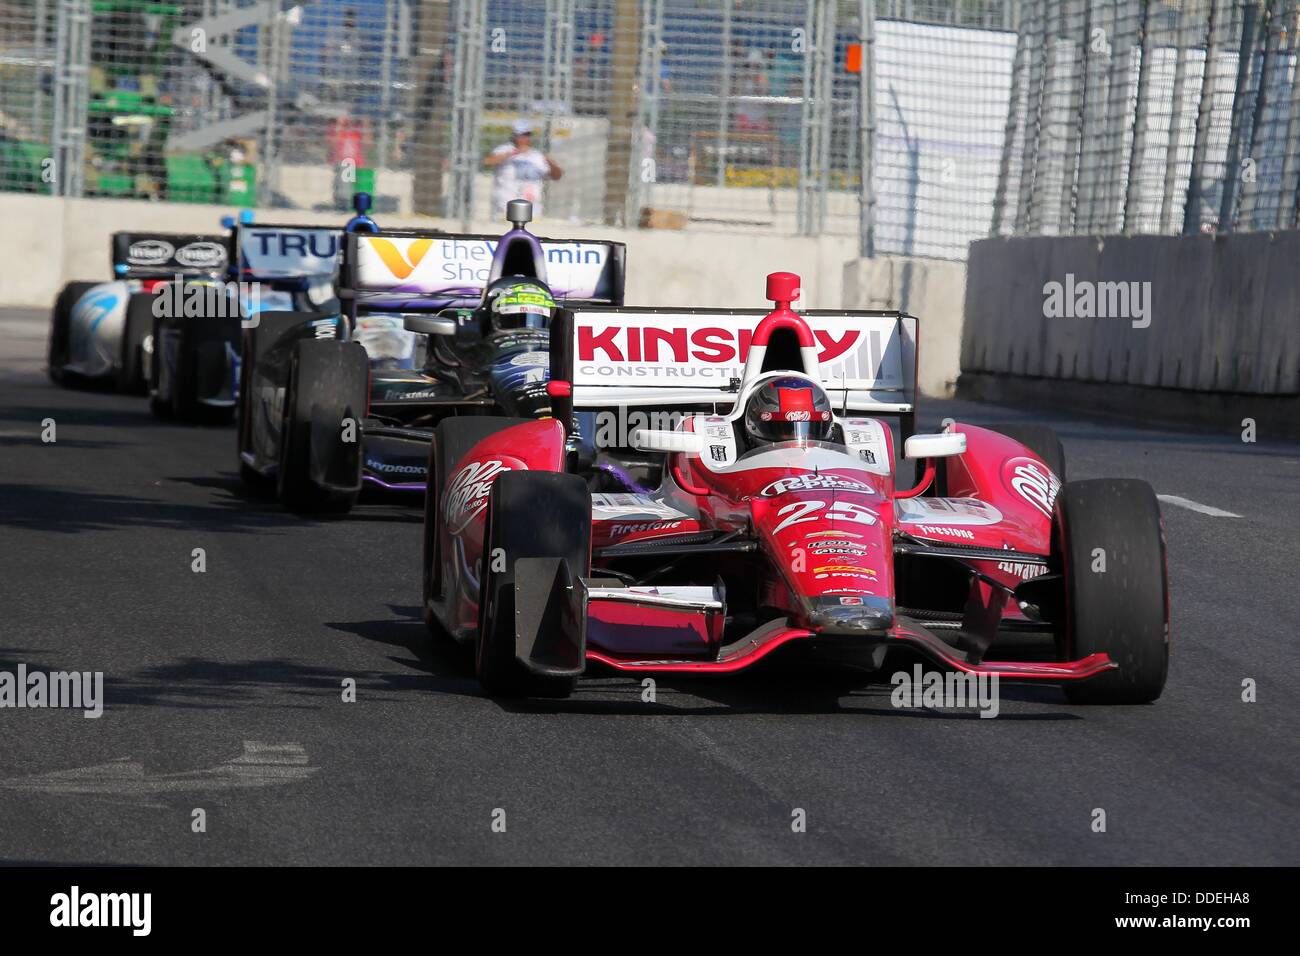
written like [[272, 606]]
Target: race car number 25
[[839, 511]]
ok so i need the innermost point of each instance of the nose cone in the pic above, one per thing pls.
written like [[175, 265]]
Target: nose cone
[[852, 614]]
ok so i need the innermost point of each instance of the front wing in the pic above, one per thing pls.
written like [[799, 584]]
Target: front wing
[[679, 630]]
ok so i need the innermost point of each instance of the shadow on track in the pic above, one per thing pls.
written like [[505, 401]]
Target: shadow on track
[[198, 682], [40, 508], [371, 508]]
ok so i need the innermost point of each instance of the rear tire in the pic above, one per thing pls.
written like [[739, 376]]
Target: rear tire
[[200, 358], [328, 382], [1119, 607], [1041, 440], [61, 326], [137, 324], [184, 407], [453, 439], [531, 514]]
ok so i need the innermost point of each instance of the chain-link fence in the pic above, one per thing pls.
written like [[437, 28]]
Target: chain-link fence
[[916, 125], [1154, 116]]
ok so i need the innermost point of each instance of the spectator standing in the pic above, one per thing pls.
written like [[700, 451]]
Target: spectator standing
[[521, 169]]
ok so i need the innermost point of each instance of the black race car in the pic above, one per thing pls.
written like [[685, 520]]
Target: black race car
[[433, 324], [194, 365]]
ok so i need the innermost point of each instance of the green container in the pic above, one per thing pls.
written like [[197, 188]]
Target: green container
[[21, 166], [238, 184]]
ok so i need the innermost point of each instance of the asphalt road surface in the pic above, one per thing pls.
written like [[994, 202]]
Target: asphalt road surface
[[224, 689]]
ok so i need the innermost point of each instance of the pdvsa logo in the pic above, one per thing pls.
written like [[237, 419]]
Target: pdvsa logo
[[401, 260]]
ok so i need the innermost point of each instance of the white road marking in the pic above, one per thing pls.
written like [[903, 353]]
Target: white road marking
[[1197, 506], [260, 765]]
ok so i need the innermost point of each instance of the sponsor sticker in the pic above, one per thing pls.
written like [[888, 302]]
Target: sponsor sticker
[[1023, 571], [947, 511], [844, 569], [609, 506], [1033, 482], [531, 358], [201, 255], [466, 494], [149, 252], [813, 483], [710, 348], [376, 465], [642, 526], [940, 531]]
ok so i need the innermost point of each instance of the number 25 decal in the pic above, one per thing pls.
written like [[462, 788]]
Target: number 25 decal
[[839, 511]]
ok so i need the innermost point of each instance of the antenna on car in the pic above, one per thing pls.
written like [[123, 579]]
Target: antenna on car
[[519, 212]]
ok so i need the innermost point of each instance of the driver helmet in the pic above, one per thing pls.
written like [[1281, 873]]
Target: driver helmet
[[515, 303], [788, 408]]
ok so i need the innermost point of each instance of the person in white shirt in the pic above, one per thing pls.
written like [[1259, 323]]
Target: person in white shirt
[[520, 169]]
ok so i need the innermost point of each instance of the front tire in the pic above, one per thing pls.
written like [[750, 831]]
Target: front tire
[[1110, 544], [320, 469], [531, 514]]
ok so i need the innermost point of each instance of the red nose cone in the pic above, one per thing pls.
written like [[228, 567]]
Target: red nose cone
[[783, 287]]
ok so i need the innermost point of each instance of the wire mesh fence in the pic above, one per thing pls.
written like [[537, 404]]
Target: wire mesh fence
[[1153, 117], [914, 125]]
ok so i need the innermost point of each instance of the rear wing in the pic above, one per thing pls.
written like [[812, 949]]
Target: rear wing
[[426, 270], [687, 357], [270, 252], [154, 255]]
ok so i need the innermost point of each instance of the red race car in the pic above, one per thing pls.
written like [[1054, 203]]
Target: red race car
[[763, 513]]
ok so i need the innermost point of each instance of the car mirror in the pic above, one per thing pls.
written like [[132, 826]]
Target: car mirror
[[647, 439], [942, 445], [430, 324]]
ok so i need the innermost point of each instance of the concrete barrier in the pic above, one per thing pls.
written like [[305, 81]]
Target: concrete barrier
[[1219, 343], [1223, 313], [49, 241], [932, 290]]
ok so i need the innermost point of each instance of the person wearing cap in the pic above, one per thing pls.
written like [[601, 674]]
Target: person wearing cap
[[520, 169]]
